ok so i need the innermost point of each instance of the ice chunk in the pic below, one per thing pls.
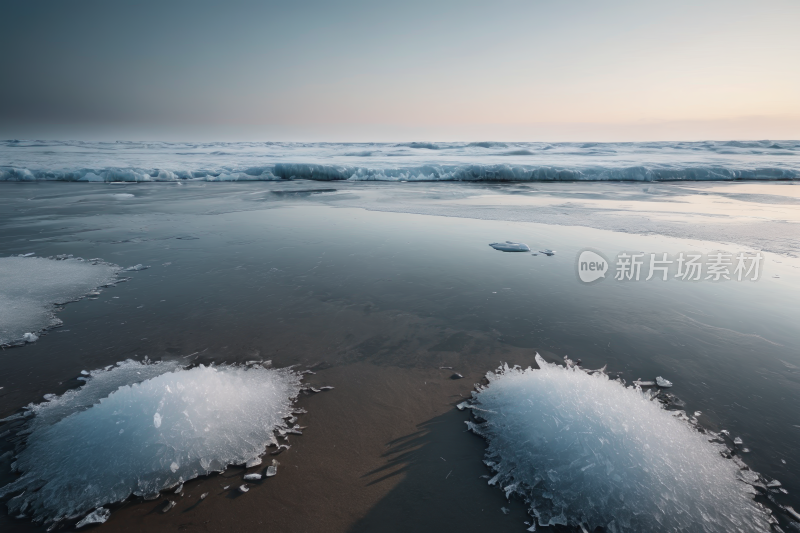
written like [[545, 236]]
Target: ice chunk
[[456, 375], [243, 488], [30, 337], [661, 382], [179, 489], [509, 246], [547, 252], [255, 461], [157, 420], [585, 450], [204, 496], [737, 441], [75, 459], [169, 505], [505, 510], [31, 287], [252, 477], [272, 469], [136, 268], [98, 516]]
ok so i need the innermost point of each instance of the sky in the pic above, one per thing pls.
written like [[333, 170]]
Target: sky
[[391, 71]]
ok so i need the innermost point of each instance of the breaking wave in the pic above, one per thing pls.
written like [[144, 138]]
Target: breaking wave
[[415, 161]]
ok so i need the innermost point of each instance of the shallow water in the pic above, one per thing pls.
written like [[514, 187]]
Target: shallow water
[[239, 272]]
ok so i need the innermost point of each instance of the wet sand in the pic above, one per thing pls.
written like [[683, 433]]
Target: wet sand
[[376, 303]]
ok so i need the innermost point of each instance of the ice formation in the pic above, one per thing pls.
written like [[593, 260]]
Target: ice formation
[[95, 517], [661, 382], [31, 286], [585, 451], [99, 444], [509, 246]]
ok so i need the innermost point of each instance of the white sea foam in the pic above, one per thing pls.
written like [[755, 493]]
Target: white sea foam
[[585, 451], [92, 447], [416, 161], [32, 285]]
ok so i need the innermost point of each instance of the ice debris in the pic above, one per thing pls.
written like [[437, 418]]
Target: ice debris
[[661, 382], [509, 246], [204, 496], [210, 417], [243, 488], [98, 516], [32, 286], [168, 506], [585, 451], [547, 252], [252, 477], [136, 268]]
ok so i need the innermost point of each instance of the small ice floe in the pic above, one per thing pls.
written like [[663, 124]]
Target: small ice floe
[[30, 337], [738, 441], [49, 397], [179, 489], [644, 383], [774, 484], [547, 252], [26, 255], [243, 488], [226, 487], [326, 387], [167, 506], [280, 449], [98, 516], [791, 511], [204, 496], [558, 436], [463, 405], [252, 477], [179, 423], [664, 383], [505, 510], [272, 469], [509, 246], [456, 375], [136, 268]]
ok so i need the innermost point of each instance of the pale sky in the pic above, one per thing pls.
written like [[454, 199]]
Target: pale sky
[[380, 71]]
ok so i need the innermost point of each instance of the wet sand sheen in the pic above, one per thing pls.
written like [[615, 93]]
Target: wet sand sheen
[[382, 301]]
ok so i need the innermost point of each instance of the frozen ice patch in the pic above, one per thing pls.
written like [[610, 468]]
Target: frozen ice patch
[[509, 246], [585, 451], [31, 286], [76, 458]]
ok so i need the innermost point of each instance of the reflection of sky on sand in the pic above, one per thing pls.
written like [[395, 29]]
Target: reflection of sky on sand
[[307, 277], [726, 203]]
